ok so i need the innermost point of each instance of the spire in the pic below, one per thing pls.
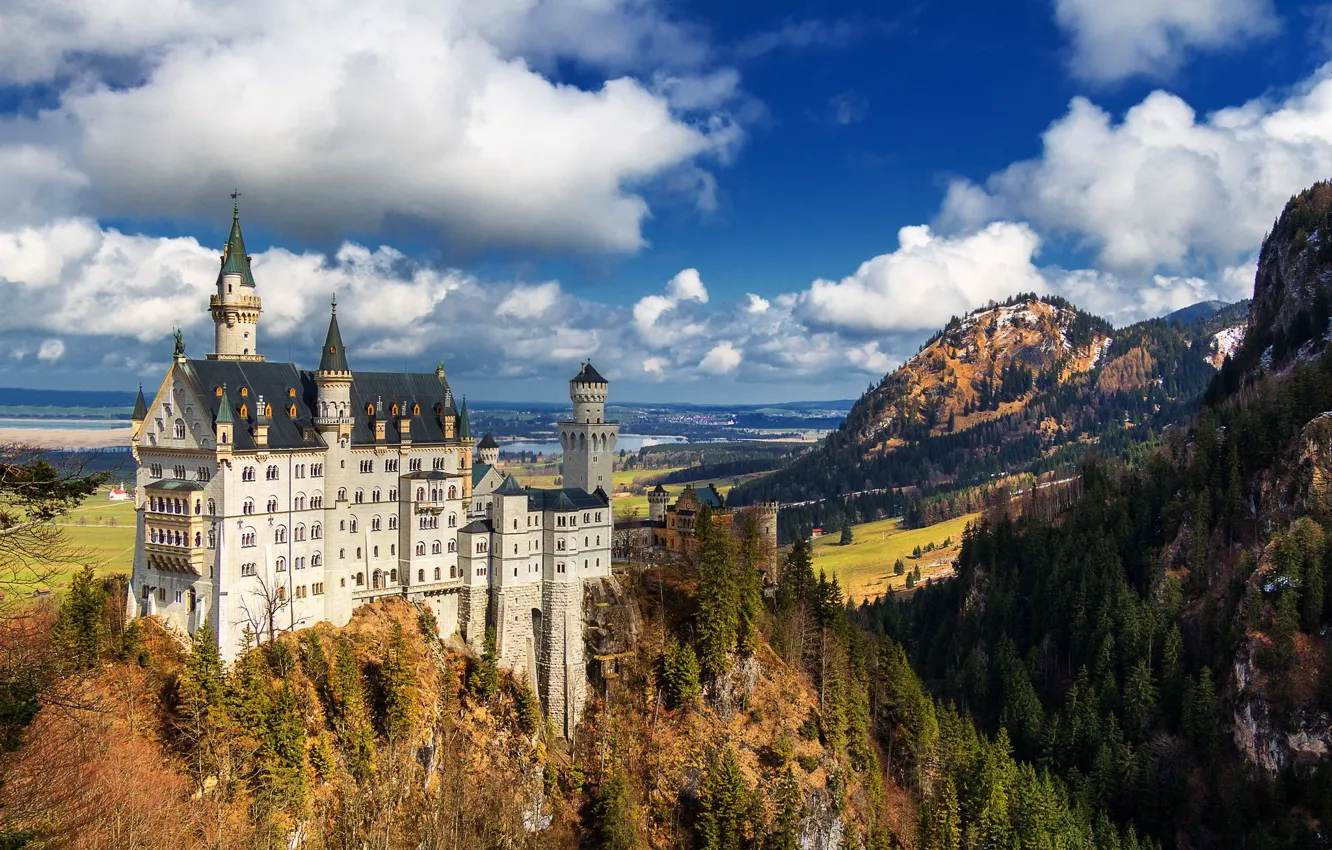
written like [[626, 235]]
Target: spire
[[234, 258], [510, 487], [464, 427], [140, 407], [224, 415], [334, 359]]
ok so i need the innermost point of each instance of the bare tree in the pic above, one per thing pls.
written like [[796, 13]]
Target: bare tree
[[261, 607]]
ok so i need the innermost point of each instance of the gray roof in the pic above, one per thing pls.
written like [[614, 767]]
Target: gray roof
[[234, 258], [334, 356], [487, 442], [174, 484], [658, 490], [563, 499], [276, 381], [510, 487], [477, 526], [140, 407], [588, 375]]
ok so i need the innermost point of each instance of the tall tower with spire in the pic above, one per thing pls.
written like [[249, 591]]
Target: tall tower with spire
[[235, 306], [588, 441]]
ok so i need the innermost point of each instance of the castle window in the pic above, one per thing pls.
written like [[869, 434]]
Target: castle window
[[375, 524], [298, 503], [559, 545], [268, 410], [155, 470], [280, 534], [316, 560], [198, 538], [217, 390], [272, 504], [393, 494], [453, 492], [515, 551], [453, 520], [359, 497], [291, 392], [245, 391], [414, 464], [281, 594], [205, 474], [248, 569], [374, 495], [280, 565], [393, 576], [391, 464], [453, 570], [247, 473], [480, 546], [198, 507], [298, 533], [436, 573], [248, 507], [420, 494], [370, 411], [316, 531], [358, 553], [453, 546], [435, 548], [244, 410], [212, 540], [598, 516], [395, 410], [416, 411], [376, 554], [374, 580], [247, 539], [367, 466], [317, 588], [420, 548], [437, 464], [353, 527], [393, 523], [316, 470], [342, 525], [291, 411], [420, 575], [342, 554], [271, 474], [342, 494], [360, 579], [180, 430]]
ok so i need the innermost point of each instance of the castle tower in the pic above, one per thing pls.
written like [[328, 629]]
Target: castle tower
[[488, 450], [235, 307], [588, 441], [657, 501], [765, 513], [333, 420], [138, 416]]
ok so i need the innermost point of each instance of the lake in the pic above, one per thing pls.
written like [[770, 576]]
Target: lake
[[628, 442]]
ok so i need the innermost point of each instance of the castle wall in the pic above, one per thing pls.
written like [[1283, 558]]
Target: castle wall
[[562, 671], [518, 612]]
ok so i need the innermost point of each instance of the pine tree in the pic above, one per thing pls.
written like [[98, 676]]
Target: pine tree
[[399, 685], [899, 567], [718, 615], [1307, 537], [349, 710], [679, 674], [749, 585], [483, 676], [723, 805], [618, 824], [847, 536], [785, 831], [78, 629]]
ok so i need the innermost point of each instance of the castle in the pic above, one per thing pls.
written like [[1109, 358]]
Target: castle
[[270, 498], [668, 530]]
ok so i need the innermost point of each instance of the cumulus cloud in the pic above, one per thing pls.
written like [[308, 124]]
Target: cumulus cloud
[[648, 311], [1162, 189], [52, 349], [1112, 41], [424, 112], [928, 279], [530, 302], [722, 358]]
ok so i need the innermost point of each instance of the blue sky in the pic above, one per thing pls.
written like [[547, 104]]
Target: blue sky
[[739, 201]]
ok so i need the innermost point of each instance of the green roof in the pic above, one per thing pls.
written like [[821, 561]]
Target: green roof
[[224, 415], [464, 427], [510, 487], [334, 358], [140, 407], [234, 258]]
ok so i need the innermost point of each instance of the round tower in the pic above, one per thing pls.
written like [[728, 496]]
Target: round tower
[[588, 441], [235, 306], [487, 451], [587, 391], [766, 514], [657, 501]]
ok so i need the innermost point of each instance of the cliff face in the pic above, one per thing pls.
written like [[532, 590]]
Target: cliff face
[[1292, 293]]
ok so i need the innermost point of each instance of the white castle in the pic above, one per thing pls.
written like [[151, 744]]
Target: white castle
[[271, 498]]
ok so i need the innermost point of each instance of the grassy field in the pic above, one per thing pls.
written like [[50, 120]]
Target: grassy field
[[865, 568], [104, 530]]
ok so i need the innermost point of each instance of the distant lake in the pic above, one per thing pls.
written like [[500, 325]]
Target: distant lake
[[44, 423], [628, 442]]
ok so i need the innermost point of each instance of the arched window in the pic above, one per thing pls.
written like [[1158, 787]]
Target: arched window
[[420, 494], [248, 507], [280, 534], [247, 474], [453, 546], [298, 503], [453, 492], [198, 507], [272, 504], [360, 579], [375, 523], [280, 565], [316, 531], [420, 548], [374, 580], [393, 523], [358, 553], [436, 548], [436, 573], [376, 554], [359, 496], [342, 525], [316, 560], [342, 554], [453, 520], [353, 525], [393, 576], [420, 575], [298, 533], [342, 494], [180, 429]]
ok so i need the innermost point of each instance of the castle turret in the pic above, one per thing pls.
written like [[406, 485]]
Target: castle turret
[[235, 306], [138, 416], [588, 441], [488, 450], [657, 501], [334, 380], [225, 423], [333, 419]]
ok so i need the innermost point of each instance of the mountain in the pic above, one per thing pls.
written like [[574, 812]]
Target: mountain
[[1165, 645], [1193, 313], [1026, 386]]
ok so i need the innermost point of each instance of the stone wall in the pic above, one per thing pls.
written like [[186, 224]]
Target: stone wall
[[472, 605], [519, 613], [562, 668]]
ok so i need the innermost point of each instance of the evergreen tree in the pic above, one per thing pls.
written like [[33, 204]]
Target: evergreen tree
[[483, 675], [749, 586], [527, 708], [899, 567], [718, 614], [350, 713], [399, 685], [679, 674], [847, 536], [78, 629], [618, 825], [785, 831], [1307, 537], [723, 805]]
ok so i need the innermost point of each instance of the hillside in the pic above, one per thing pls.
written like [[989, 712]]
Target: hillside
[[1164, 644], [1028, 386]]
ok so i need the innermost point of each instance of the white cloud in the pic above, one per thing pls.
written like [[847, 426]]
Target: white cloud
[[1115, 40], [722, 358], [800, 35], [420, 111], [52, 349], [756, 303], [928, 279], [1163, 190], [687, 286], [530, 302]]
